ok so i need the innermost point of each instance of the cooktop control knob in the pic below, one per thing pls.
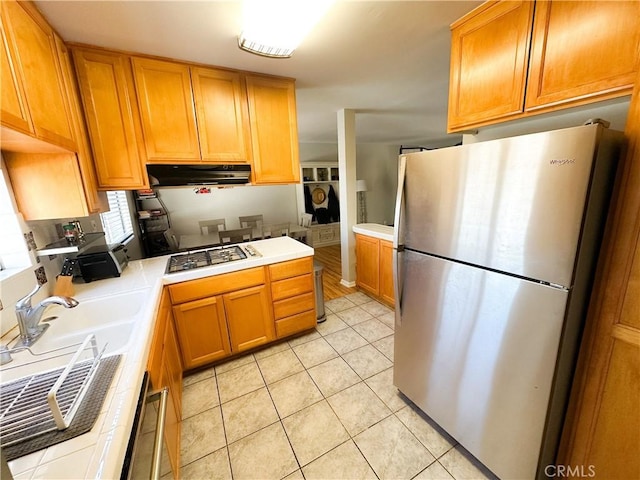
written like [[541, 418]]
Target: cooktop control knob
[[250, 249]]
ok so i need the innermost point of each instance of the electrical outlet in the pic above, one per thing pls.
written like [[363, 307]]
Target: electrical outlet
[[41, 276], [94, 225]]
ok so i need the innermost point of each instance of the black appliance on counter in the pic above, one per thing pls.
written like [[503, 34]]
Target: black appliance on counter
[[102, 261]]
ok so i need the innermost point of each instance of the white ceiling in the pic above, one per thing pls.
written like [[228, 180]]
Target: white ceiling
[[388, 60]]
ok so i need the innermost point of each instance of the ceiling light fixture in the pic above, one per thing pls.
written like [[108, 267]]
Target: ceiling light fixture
[[275, 28]]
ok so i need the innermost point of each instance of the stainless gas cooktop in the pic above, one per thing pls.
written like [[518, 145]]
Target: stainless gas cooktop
[[205, 258]]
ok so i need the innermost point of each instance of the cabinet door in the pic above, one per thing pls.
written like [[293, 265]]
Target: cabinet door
[[583, 51], [249, 317], [166, 109], [37, 196], [172, 424], [202, 331], [14, 112], [108, 97], [221, 109], [96, 201], [173, 362], [154, 361], [489, 53], [386, 272], [34, 46], [367, 264], [274, 130]]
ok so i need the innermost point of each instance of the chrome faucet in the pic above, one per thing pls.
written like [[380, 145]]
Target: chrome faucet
[[29, 317]]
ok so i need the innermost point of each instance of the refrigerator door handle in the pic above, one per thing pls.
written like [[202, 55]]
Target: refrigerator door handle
[[397, 284], [398, 239], [398, 231]]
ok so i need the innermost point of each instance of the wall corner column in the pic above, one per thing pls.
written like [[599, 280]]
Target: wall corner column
[[348, 203]]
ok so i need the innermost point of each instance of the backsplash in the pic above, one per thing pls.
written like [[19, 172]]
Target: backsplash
[[23, 268]]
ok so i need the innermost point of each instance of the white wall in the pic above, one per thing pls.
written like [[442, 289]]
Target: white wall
[[377, 163], [276, 203], [318, 152]]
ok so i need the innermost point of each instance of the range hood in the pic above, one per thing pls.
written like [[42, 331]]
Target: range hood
[[181, 175]]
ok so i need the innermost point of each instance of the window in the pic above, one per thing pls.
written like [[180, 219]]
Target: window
[[117, 221]]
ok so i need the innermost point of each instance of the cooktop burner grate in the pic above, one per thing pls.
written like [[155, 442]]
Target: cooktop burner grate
[[204, 258]]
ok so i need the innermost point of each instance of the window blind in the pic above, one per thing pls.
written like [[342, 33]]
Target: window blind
[[117, 221]]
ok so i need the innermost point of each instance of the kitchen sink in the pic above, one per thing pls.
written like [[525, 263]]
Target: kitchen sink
[[42, 409], [111, 319]]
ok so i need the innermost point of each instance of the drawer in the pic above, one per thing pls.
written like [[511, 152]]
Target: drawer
[[215, 285], [296, 323], [291, 287], [326, 234], [293, 305], [292, 268]]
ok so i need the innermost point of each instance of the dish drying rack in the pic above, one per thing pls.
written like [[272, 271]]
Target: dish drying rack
[[48, 401]]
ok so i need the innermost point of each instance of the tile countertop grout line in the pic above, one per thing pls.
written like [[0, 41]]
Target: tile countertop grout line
[[108, 449]]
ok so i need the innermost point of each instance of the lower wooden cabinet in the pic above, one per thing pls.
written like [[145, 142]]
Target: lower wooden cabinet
[[249, 318], [374, 267], [172, 371], [387, 291], [368, 264], [222, 315], [202, 331], [165, 370], [293, 293]]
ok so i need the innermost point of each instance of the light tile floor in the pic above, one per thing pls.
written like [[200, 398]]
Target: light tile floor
[[320, 406]]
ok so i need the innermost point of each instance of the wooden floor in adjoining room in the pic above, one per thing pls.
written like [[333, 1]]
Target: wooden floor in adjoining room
[[330, 258]]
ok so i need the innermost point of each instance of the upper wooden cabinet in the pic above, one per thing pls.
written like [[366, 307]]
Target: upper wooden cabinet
[[274, 129], [47, 185], [221, 109], [583, 51], [96, 200], [167, 110], [507, 62], [111, 110], [489, 54], [14, 111], [32, 77]]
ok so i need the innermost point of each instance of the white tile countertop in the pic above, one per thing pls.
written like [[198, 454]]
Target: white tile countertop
[[99, 454], [383, 232]]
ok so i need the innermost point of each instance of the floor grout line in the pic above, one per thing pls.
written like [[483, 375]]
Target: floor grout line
[[323, 398]]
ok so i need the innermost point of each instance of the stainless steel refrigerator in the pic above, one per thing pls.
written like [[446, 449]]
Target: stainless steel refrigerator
[[494, 253]]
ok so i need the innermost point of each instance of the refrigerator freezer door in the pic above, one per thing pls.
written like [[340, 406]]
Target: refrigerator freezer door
[[514, 205], [476, 351]]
